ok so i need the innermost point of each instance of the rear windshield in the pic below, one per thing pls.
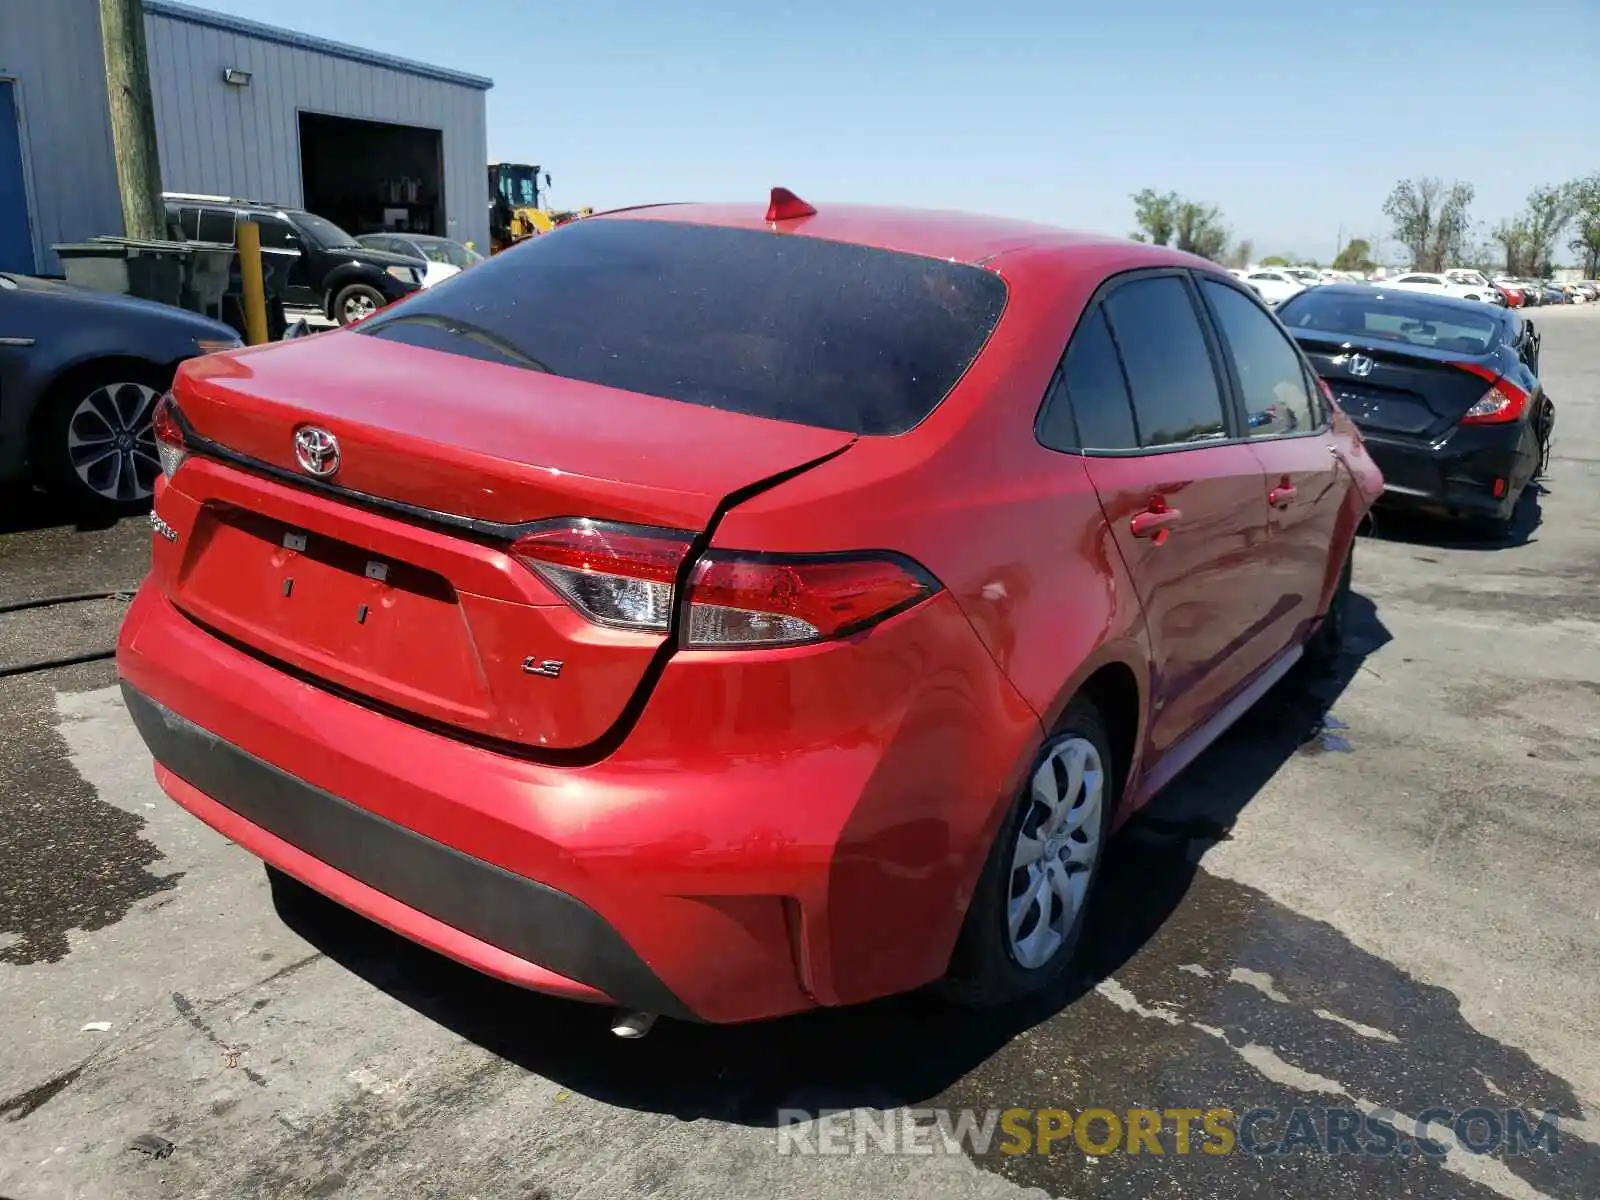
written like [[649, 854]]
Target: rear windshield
[[814, 332], [1410, 318]]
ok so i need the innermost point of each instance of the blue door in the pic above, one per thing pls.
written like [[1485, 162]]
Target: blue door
[[16, 235]]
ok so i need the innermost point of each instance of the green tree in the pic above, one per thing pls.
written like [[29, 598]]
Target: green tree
[[1274, 260], [1550, 210], [1586, 224], [1516, 246], [1154, 214], [1168, 219], [1241, 253], [1356, 256], [1430, 220], [1199, 230]]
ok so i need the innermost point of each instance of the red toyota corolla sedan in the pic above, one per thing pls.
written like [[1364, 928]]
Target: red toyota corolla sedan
[[724, 611]]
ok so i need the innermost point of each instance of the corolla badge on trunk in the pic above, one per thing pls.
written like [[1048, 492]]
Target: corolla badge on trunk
[[316, 450], [1360, 364]]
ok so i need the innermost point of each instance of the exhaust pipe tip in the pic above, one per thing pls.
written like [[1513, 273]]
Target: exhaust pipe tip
[[631, 1023]]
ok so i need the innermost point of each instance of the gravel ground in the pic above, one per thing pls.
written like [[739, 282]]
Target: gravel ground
[[1395, 909]]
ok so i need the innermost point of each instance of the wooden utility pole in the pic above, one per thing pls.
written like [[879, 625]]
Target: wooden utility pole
[[133, 118]]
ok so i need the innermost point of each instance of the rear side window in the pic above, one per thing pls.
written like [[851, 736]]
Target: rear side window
[[1096, 393], [216, 225], [819, 333], [1176, 399], [188, 221], [1272, 380]]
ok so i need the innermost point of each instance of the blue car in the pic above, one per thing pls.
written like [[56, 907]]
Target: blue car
[[80, 372]]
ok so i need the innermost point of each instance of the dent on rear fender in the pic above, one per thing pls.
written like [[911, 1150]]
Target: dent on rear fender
[[1052, 618]]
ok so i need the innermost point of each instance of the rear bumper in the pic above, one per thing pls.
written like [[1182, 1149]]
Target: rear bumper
[[803, 830], [513, 927], [1456, 477]]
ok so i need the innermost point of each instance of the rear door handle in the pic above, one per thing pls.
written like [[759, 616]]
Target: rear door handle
[[1282, 496], [1154, 522]]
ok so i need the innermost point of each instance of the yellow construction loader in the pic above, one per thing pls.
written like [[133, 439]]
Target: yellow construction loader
[[516, 205]]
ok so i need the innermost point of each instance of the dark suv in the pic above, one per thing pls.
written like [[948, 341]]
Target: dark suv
[[327, 267]]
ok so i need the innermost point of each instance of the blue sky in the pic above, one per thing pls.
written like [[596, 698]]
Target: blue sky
[[1296, 118]]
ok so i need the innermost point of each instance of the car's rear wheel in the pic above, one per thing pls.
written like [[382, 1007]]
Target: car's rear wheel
[[1027, 913], [356, 301], [1327, 643], [94, 441]]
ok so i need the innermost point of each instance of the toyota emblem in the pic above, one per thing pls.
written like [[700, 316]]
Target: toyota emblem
[[1359, 365], [317, 451]]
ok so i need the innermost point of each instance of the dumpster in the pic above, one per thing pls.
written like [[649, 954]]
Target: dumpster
[[148, 270], [200, 276]]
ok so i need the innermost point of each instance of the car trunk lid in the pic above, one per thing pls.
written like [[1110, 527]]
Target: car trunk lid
[[1412, 391], [391, 580]]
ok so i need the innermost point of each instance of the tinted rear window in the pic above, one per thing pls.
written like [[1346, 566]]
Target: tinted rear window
[[1404, 317], [814, 332]]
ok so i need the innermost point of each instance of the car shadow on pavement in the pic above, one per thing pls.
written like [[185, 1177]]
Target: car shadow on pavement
[[1392, 525], [914, 1049], [24, 509]]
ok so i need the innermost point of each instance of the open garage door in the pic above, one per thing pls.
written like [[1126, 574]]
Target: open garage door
[[370, 176]]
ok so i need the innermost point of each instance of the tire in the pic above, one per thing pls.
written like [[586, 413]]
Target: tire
[[1327, 643], [92, 441], [995, 962], [355, 301], [1500, 529]]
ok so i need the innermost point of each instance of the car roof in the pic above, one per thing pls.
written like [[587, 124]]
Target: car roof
[[955, 236]]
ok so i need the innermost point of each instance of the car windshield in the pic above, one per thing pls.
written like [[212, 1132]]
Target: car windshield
[[322, 231], [1403, 317], [823, 333], [451, 254]]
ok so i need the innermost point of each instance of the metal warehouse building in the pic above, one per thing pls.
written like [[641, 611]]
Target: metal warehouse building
[[242, 110]]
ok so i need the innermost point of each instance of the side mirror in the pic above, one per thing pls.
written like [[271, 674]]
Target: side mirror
[[297, 330]]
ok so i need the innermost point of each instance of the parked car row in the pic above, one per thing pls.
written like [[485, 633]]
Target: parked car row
[[1530, 292], [1277, 284]]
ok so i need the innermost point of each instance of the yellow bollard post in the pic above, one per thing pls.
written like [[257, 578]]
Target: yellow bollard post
[[255, 288]]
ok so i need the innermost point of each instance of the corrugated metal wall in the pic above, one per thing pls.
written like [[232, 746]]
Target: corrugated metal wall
[[52, 50], [246, 141], [213, 138]]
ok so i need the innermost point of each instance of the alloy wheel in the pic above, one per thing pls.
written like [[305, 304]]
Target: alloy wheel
[[358, 306], [1057, 845], [111, 442]]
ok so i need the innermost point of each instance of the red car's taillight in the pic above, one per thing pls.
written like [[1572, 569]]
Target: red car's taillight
[[625, 576], [1503, 403], [613, 574], [758, 600], [168, 433]]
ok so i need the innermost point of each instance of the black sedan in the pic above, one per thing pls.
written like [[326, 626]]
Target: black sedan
[[1446, 393], [80, 372]]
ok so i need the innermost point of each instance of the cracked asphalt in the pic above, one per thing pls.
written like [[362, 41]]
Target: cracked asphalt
[[1393, 910]]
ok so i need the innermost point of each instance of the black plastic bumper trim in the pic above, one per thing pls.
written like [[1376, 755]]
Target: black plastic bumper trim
[[519, 915]]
